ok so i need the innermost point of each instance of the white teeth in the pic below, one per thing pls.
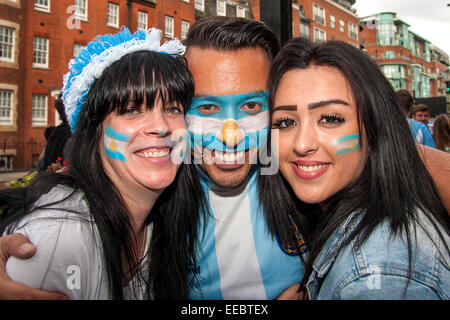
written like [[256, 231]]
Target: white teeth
[[156, 154], [311, 168], [229, 156]]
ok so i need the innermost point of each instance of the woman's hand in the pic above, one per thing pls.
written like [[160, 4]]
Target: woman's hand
[[17, 245]]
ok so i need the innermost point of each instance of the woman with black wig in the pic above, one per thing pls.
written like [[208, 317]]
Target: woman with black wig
[[115, 227], [351, 174]]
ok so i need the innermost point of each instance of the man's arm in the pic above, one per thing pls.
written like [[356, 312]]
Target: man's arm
[[17, 245], [438, 165]]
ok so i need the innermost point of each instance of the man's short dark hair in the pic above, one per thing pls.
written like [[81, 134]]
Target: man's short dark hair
[[405, 100], [228, 33], [421, 108]]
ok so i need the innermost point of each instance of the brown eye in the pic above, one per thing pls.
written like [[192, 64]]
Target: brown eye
[[252, 107], [208, 108]]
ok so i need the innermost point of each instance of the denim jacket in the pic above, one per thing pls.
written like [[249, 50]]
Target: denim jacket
[[378, 269]]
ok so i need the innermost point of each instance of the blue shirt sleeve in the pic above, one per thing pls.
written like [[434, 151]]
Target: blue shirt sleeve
[[427, 137]]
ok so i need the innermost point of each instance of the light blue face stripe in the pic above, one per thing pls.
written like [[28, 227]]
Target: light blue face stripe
[[345, 139], [115, 155], [116, 135], [279, 270]]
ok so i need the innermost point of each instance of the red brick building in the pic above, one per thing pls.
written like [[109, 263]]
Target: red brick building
[[321, 20], [403, 56], [37, 40]]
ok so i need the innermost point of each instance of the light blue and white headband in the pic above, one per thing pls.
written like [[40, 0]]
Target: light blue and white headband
[[100, 54]]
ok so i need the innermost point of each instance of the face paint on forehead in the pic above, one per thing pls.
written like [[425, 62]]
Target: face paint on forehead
[[348, 143], [115, 143]]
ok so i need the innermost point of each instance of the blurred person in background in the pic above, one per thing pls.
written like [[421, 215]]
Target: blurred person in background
[[441, 132]]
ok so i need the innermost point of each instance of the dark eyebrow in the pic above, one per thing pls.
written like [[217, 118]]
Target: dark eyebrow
[[288, 108], [318, 104]]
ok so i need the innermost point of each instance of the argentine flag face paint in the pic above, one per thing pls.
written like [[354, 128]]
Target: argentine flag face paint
[[115, 143], [229, 123]]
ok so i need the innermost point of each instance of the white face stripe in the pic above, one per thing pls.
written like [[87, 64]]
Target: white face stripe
[[208, 125]]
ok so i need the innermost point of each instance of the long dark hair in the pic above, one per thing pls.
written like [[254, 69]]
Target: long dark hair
[[137, 77], [441, 132], [394, 182]]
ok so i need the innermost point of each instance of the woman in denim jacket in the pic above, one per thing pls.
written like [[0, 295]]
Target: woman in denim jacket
[[372, 218]]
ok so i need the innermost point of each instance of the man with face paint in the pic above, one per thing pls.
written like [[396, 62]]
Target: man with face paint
[[237, 257]]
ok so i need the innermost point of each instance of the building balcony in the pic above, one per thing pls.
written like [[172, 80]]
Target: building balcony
[[319, 19]]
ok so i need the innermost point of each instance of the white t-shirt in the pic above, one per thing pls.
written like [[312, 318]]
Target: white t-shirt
[[69, 257]]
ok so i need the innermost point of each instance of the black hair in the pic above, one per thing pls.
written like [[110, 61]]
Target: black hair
[[136, 78], [405, 100], [394, 182], [230, 34]]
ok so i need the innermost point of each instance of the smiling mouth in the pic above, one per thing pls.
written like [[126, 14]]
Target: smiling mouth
[[154, 152], [228, 157], [311, 168]]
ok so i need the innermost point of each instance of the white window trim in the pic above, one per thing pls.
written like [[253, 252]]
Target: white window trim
[[324, 33], [199, 5], [184, 32], [224, 6], [349, 29], [324, 15], [42, 65], [112, 5], [13, 124], [39, 7], [172, 33], [40, 122], [185, 1], [13, 47], [83, 17], [340, 20], [333, 25], [8, 121], [141, 14], [240, 9]]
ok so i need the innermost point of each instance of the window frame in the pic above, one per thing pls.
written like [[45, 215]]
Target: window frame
[[315, 7], [172, 26], [184, 30], [199, 5], [84, 16], [40, 122], [12, 49], [322, 31], [139, 20], [115, 6], [40, 7], [39, 64], [223, 6], [7, 121]]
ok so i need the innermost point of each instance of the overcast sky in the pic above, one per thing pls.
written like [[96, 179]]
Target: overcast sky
[[430, 19]]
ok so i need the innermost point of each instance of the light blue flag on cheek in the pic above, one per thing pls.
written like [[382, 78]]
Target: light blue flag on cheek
[[115, 144]]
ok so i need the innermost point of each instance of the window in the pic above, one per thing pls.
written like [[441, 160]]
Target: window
[[81, 9], [6, 107], [221, 8], [341, 26], [304, 29], [168, 27], [240, 12], [77, 47], [319, 14], [6, 163], [40, 52], [185, 1], [142, 21], [6, 44], [352, 31], [200, 5], [39, 110], [42, 5], [184, 28], [319, 35], [113, 15], [332, 21]]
